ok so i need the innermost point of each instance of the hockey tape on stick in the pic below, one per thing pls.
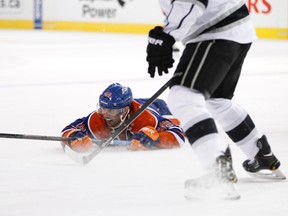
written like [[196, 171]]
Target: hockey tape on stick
[[87, 158]]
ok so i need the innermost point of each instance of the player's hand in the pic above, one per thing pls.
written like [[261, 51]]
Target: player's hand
[[145, 139], [82, 143], [159, 51]]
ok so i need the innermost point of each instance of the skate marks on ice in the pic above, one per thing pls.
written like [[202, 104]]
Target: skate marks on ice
[[210, 189]]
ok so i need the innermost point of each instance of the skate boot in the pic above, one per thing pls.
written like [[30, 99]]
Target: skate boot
[[225, 169], [265, 164], [219, 183]]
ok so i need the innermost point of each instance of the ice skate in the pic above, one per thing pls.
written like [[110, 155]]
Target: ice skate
[[219, 183], [265, 164]]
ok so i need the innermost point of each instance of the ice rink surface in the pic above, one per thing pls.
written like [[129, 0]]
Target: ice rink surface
[[49, 79]]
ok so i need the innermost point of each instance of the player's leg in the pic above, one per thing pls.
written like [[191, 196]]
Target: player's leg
[[237, 123], [204, 66]]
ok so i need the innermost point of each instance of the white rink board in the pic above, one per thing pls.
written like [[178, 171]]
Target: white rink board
[[265, 13]]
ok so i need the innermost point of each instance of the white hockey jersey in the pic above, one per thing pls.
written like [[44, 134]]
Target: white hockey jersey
[[198, 20]]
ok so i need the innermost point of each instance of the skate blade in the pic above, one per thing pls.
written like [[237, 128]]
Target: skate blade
[[269, 174], [220, 191]]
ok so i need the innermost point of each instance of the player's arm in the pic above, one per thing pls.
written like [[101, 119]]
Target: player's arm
[[78, 129], [180, 18], [166, 136], [172, 137]]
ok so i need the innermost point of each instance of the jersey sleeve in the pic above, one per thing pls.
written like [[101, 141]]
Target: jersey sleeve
[[78, 125], [93, 125], [171, 135], [180, 15]]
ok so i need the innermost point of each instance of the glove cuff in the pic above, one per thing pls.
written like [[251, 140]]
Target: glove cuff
[[151, 132], [147, 136], [158, 37]]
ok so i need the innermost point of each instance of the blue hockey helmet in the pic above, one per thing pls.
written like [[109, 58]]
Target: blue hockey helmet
[[116, 96]]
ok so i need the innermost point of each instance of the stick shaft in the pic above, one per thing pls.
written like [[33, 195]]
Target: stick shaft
[[35, 137], [55, 138]]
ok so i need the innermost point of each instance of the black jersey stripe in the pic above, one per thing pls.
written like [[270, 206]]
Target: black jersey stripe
[[237, 15], [185, 17], [240, 12], [181, 21]]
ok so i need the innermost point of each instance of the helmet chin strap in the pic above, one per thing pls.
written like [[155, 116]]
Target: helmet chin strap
[[122, 119]]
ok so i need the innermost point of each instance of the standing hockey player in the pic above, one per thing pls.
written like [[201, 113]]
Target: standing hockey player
[[217, 36], [155, 128]]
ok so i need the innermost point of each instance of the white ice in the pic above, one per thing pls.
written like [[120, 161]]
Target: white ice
[[48, 79]]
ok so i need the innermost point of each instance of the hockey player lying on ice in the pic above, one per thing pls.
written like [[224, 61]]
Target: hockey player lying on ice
[[151, 130]]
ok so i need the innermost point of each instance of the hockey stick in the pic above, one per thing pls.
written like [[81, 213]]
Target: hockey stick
[[85, 159], [55, 138], [36, 137]]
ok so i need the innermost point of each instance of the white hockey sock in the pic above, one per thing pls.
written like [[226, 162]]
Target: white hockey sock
[[249, 144], [208, 149]]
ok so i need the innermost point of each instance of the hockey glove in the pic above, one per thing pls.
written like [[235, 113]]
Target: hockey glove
[[159, 51], [145, 139], [83, 142]]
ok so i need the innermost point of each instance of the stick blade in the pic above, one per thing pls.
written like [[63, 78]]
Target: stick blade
[[82, 158], [77, 157]]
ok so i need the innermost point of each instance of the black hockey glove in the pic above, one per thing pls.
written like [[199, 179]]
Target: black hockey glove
[[159, 51]]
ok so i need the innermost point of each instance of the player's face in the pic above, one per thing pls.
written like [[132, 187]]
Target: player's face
[[112, 116]]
